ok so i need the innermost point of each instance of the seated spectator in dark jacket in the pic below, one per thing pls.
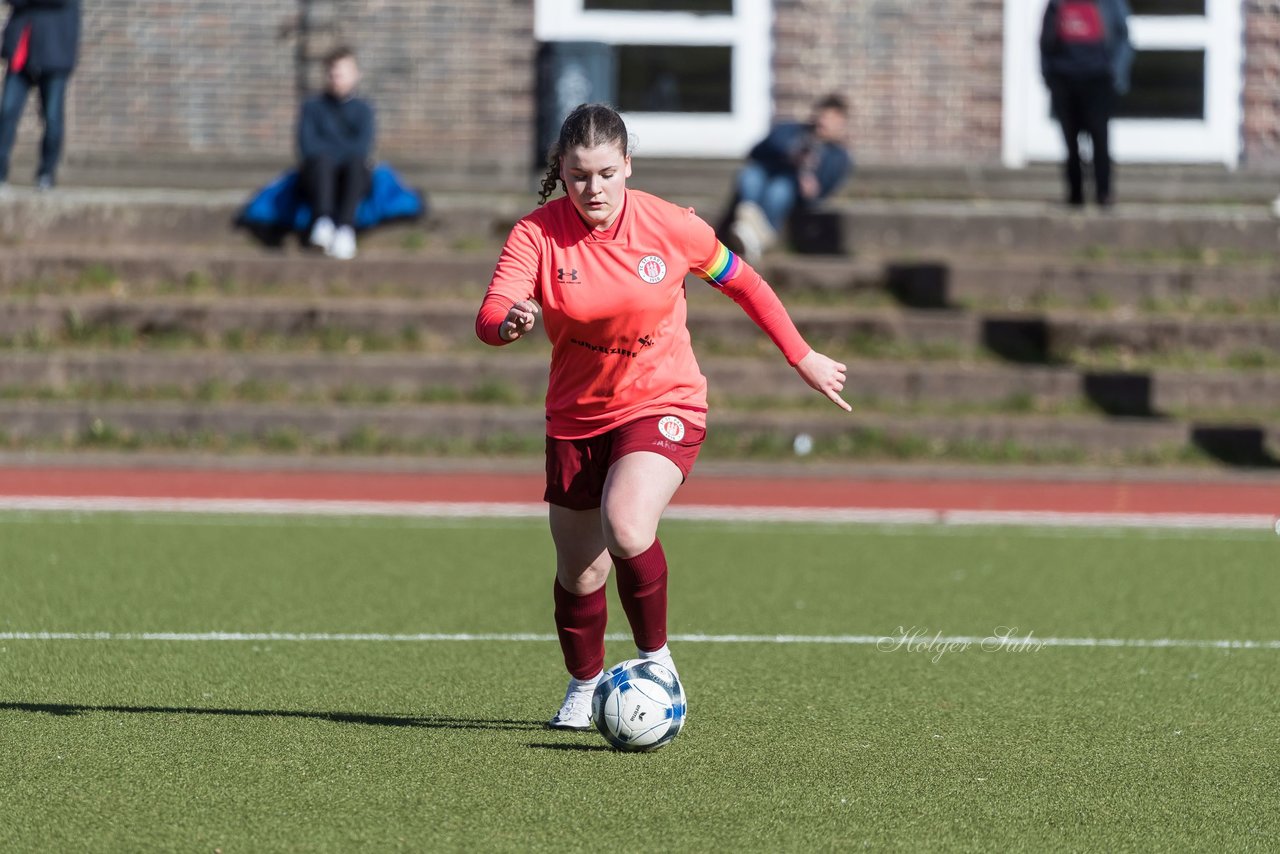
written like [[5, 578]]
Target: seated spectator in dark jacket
[[797, 163], [40, 44], [335, 140]]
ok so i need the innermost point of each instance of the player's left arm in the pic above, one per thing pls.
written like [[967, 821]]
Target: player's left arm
[[734, 277]]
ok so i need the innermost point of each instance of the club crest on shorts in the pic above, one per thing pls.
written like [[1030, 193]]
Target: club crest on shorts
[[652, 269], [672, 428]]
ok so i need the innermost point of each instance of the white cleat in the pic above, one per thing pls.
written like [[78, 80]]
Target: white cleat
[[661, 656], [575, 712]]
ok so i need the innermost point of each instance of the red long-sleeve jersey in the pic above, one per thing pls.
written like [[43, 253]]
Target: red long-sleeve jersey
[[613, 305]]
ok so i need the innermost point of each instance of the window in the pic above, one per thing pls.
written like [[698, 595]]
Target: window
[[1184, 101], [661, 79], [1167, 7], [1167, 84], [701, 7], [692, 75]]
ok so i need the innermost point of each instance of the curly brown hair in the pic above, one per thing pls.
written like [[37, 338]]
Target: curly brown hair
[[588, 126]]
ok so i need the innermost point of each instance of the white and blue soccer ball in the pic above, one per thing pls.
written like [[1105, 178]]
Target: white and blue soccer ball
[[638, 705]]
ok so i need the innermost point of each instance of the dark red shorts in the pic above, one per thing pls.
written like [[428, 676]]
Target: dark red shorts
[[576, 468]]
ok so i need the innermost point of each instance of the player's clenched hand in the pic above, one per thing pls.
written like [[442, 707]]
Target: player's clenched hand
[[520, 319], [825, 375]]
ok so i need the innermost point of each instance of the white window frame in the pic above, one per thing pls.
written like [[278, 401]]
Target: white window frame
[[747, 31], [1031, 135]]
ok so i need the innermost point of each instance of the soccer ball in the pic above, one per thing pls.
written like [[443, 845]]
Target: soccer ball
[[638, 705]]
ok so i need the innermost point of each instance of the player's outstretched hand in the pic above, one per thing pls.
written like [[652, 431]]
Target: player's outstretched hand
[[826, 375], [520, 319]]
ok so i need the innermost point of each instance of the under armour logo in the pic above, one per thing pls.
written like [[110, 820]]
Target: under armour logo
[[572, 275]]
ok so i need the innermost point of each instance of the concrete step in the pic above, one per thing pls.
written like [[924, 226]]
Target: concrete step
[[446, 428], [1008, 281], [399, 323], [675, 177], [874, 227], [883, 227], [435, 325], [1019, 282], [1037, 182], [247, 272], [415, 324], [520, 377], [107, 217]]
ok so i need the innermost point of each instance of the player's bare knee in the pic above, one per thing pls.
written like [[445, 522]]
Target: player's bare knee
[[584, 581], [628, 536]]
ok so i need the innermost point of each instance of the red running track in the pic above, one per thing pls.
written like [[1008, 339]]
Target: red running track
[[975, 494]]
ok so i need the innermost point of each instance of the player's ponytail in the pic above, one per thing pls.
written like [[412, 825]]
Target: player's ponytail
[[552, 179], [588, 126]]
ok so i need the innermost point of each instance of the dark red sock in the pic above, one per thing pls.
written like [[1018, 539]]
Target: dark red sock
[[642, 587], [580, 622]]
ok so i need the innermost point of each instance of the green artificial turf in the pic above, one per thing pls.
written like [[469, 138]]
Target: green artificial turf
[[426, 746]]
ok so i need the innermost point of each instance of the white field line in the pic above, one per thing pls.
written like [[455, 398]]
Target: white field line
[[887, 643], [708, 512]]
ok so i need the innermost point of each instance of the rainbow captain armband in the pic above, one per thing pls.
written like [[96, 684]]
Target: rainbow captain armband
[[722, 269]]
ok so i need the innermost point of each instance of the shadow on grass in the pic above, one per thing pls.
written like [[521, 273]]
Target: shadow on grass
[[423, 721], [550, 746]]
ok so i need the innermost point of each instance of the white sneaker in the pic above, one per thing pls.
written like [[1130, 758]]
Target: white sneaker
[[746, 238], [343, 246], [752, 228], [575, 712], [322, 233]]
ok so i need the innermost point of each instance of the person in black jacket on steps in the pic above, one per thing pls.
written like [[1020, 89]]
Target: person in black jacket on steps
[[335, 140], [1085, 57], [40, 44]]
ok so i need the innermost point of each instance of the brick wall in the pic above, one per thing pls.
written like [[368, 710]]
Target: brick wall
[[1261, 131], [453, 82], [923, 78]]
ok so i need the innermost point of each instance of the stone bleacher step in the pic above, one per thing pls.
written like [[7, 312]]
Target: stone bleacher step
[[1063, 437], [1037, 182], [140, 270], [1030, 227], [1020, 336], [1014, 282], [1018, 281], [185, 218], [523, 376], [710, 179], [195, 218]]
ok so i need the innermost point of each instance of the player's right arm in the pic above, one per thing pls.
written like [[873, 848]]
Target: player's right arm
[[510, 305]]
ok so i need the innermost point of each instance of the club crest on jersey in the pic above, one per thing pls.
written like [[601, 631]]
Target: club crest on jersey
[[652, 269], [672, 428]]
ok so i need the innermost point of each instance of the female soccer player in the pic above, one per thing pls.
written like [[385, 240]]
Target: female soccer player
[[626, 403]]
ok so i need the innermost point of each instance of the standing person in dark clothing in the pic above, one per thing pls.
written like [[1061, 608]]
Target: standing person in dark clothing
[[798, 162], [40, 45], [1085, 57], [335, 139]]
